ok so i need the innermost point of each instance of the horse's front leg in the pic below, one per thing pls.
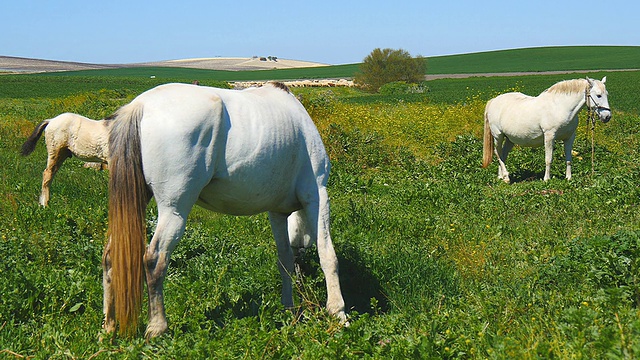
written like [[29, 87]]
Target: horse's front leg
[[285, 256], [170, 228], [548, 154], [568, 146]]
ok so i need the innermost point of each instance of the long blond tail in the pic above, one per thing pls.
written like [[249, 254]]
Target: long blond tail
[[487, 148], [128, 198]]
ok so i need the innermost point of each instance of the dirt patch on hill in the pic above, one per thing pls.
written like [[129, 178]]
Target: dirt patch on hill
[[10, 64]]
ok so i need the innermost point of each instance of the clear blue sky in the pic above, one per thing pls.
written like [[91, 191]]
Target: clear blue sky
[[333, 32]]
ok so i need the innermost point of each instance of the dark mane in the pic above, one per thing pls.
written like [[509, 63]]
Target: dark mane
[[279, 85]]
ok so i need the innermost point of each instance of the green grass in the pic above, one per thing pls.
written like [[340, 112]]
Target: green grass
[[530, 59], [334, 71], [438, 259], [560, 58]]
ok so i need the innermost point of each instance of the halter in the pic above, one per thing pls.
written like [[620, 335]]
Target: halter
[[592, 110]]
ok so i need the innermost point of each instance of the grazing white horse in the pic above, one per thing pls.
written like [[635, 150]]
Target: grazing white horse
[[66, 135], [515, 118], [229, 151]]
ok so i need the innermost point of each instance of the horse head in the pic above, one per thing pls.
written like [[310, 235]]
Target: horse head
[[597, 98]]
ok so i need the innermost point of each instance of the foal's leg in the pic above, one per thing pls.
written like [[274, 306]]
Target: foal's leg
[[171, 225], [568, 145], [317, 211], [54, 160], [549, 138], [285, 256]]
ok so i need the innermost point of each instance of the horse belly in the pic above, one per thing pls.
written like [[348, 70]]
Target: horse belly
[[520, 129], [248, 197], [527, 140]]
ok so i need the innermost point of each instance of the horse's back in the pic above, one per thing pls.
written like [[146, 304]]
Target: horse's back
[[237, 152], [508, 104], [516, 116], [86, 138]]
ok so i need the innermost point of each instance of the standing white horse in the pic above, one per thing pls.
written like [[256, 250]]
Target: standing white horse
[[229, 151], [515, 118], [66, 135]]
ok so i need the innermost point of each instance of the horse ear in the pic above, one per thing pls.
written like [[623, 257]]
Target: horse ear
[[604, 80], [590, 81]]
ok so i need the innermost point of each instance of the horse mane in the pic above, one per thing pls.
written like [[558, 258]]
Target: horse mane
[[111, 117], [568, 87], [279, 85]]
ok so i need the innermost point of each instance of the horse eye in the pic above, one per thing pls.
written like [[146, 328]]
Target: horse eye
[[598, 96]]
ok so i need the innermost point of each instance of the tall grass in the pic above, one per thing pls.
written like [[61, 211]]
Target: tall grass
[[438, 259]]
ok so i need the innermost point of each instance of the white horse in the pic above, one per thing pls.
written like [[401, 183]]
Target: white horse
[[66, 135], [515, 118], [229, 151]]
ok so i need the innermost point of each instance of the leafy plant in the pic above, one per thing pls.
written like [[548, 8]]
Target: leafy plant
[[383, 66]]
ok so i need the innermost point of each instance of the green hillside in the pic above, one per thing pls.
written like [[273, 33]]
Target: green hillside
[[517, 60], [538, 59]]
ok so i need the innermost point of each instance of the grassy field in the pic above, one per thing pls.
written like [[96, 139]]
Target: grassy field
[[438, 258], [518, 60], [539, 59]]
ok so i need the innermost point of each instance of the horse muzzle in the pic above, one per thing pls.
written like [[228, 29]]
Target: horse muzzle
[[604, 113]]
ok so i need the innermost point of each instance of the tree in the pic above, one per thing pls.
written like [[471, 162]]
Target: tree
[[383, 66]]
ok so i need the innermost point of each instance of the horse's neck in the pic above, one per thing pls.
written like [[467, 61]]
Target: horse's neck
[[570, 102]]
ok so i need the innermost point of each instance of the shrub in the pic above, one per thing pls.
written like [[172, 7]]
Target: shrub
[[383, 66]]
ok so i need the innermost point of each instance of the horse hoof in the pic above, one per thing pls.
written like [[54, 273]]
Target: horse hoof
[[108, 333], [342, 317], [154, 330]]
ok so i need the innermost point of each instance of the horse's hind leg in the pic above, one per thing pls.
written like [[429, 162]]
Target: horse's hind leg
[[317, 211], [502, 146], [285, 256], [54, 161], [171, 225], [109, 324]]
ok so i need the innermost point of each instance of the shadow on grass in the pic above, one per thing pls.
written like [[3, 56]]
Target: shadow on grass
[[359, 285], [525, 175]]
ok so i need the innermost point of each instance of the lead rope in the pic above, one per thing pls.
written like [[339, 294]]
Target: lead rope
[[593, 141], [591, 120]]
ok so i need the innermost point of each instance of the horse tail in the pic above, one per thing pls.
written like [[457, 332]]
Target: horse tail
[[487, 148], [128, 199], [30, 144]]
